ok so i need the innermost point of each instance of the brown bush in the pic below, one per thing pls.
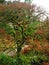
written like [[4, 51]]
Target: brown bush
[[45, 63]]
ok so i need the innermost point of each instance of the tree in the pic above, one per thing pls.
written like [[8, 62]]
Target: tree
[[28, 1], [20, 16], [2, 1]]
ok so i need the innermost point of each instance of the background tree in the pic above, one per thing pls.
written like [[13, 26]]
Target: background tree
[[2, 1], [28, 1]]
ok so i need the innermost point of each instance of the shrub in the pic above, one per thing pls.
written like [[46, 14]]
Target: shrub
[[38, 60], [6, 60], [29, 59]]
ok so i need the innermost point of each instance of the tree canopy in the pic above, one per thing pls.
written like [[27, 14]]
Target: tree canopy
[[2, 1]]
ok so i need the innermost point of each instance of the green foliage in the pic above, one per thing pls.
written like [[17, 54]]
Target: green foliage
[[34, 59], [47, 37], [2, 1], [6, 60], [32, 28], [38, 37], [8, 28], [38, 59], [28, 1]]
